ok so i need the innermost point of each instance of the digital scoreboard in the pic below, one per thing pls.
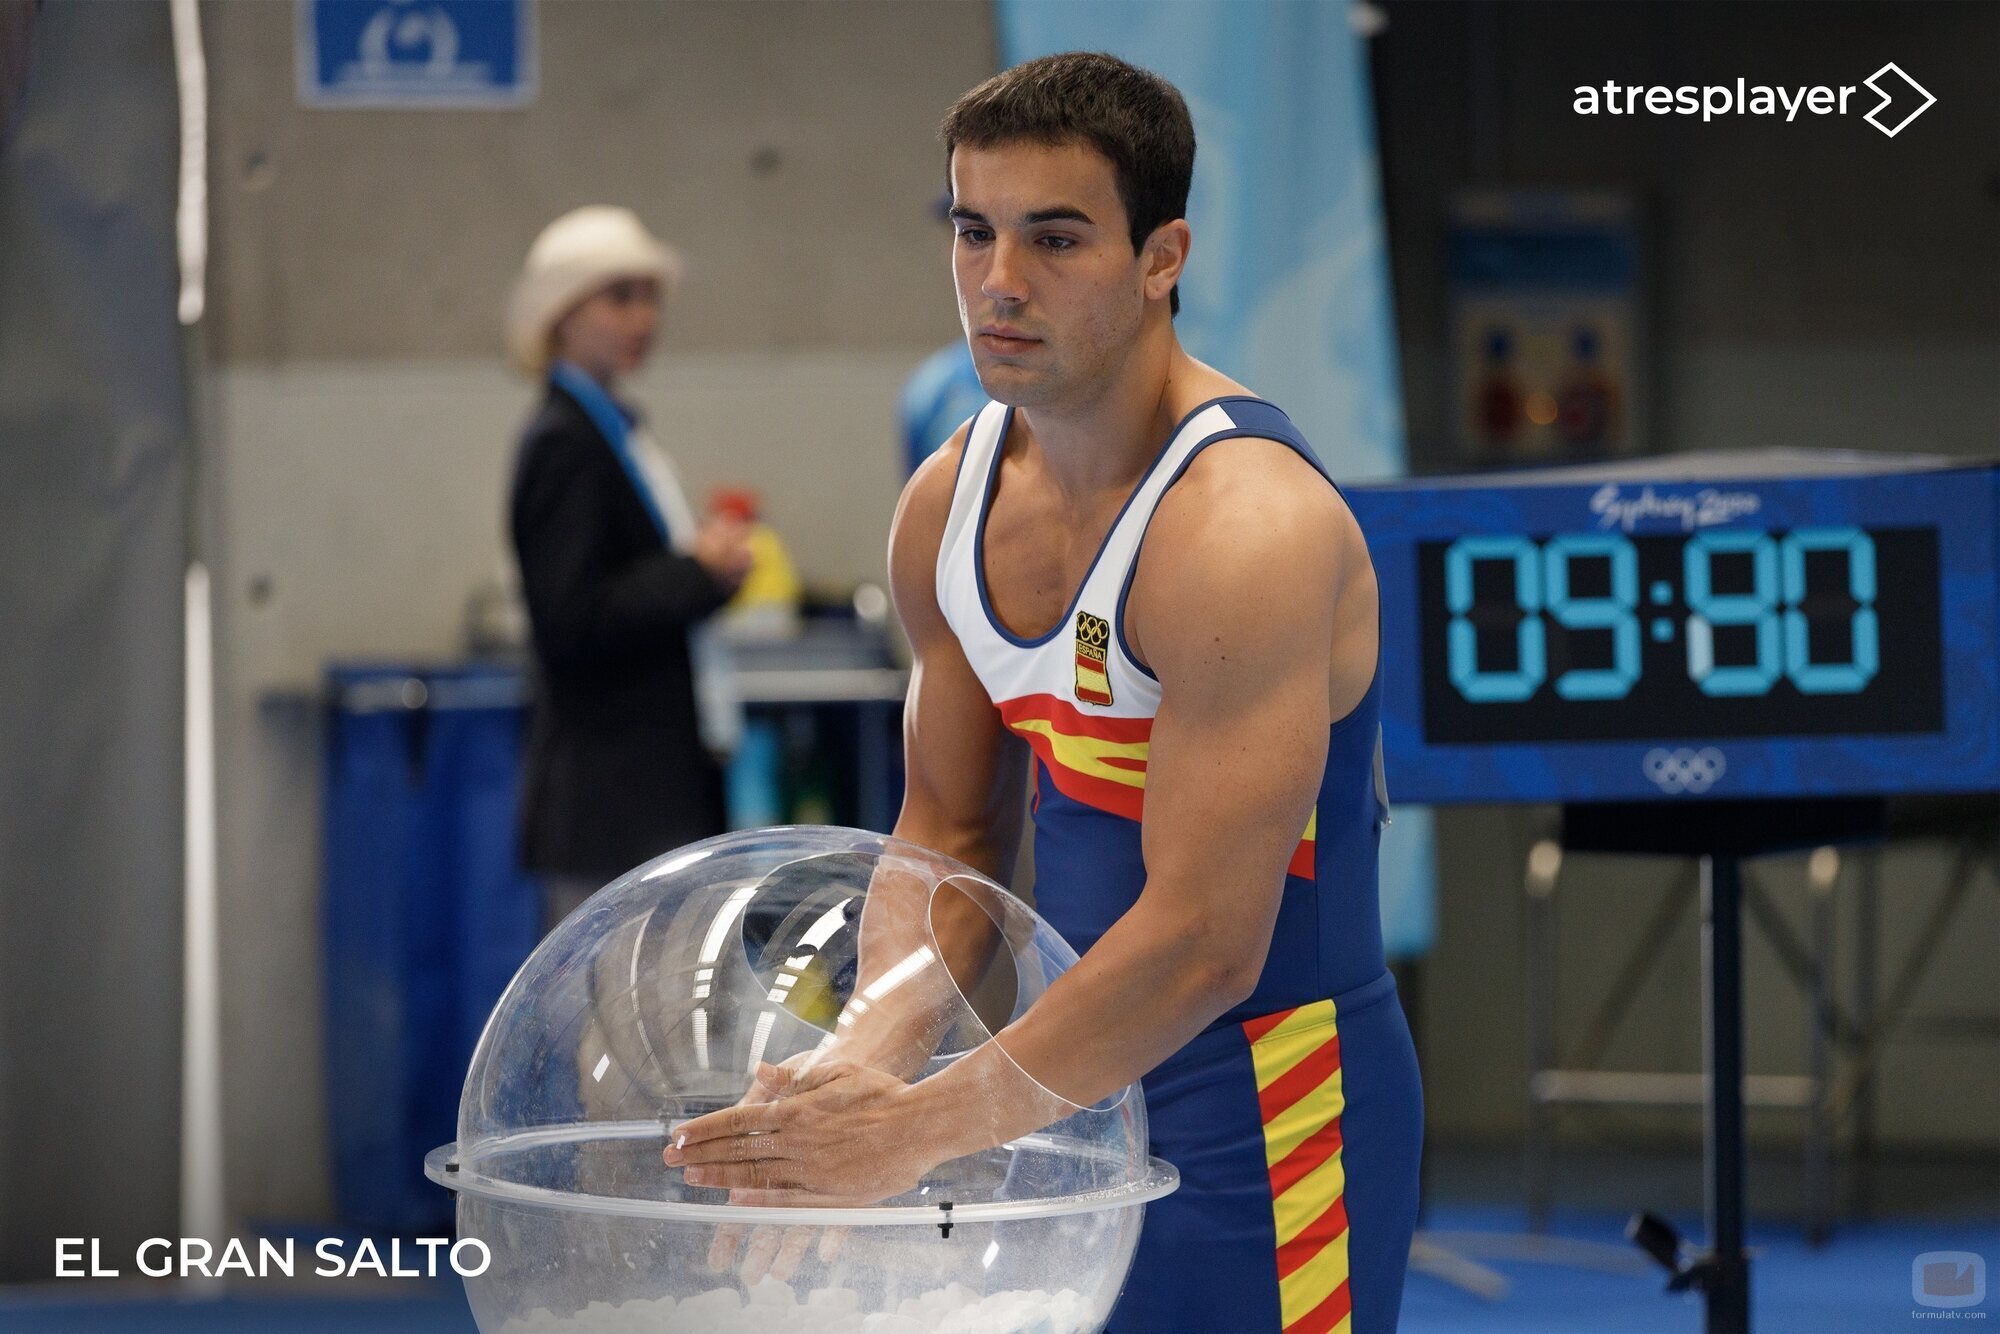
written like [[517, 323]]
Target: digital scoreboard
[[1768, 624]]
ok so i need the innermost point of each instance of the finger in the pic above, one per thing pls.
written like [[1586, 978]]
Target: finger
[[722, 1249], [757, 1175], [790, 1081], [832, 1241], [792, 1252], [741, 1149], [748, 1119], [758, 1255]]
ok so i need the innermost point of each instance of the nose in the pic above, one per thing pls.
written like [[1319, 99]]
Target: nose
[[1003, 281]]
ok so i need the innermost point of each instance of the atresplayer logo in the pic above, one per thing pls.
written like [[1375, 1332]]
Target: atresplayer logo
[[1889, 83]]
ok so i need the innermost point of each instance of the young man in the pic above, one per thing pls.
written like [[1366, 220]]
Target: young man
[[1131, 574]]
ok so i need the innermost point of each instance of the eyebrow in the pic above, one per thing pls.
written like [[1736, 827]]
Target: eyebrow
[[1056, 213]]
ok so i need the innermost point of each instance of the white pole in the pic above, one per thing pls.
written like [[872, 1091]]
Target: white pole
[[191, 217], [202, 1201], [203, 1207]]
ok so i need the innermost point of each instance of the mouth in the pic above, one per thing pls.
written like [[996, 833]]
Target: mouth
[[1005, 342]]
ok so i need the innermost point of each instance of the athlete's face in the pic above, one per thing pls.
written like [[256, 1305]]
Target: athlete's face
[[1049, 291]]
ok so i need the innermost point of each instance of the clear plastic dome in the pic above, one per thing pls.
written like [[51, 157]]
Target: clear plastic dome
[[655, 1003]]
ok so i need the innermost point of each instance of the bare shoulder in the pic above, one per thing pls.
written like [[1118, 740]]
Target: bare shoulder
[[1246, 502], [1248, 539], [918, 529]]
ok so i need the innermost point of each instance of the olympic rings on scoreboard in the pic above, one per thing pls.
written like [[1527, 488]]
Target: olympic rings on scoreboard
[[1685, 770]]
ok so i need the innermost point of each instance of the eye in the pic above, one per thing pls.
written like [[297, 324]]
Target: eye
[[974, 235], [1058, 243]]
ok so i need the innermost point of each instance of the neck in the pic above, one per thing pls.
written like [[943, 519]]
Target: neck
[[1107, 441], [598, 376]]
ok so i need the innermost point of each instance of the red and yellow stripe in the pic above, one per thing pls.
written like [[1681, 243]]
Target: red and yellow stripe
[[1296, 1054], [1101, 762], [1098, 761]]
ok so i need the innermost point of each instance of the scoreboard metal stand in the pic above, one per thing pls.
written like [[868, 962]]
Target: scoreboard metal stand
[[1719, 655], [1722, 835], [1577, 1077]]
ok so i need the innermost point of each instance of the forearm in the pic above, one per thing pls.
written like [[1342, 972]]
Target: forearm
[[899, 1031], [922, 948], [1141, 993], [989, 845]]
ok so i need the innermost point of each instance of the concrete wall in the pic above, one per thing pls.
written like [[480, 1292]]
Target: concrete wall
[[361, 424]]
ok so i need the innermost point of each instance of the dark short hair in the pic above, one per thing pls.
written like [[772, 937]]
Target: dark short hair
[[1135, 118]]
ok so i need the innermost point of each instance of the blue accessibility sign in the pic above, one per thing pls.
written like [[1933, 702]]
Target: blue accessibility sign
[[416, 53]]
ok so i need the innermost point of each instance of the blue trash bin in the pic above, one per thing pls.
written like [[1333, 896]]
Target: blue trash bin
[[427, 915]]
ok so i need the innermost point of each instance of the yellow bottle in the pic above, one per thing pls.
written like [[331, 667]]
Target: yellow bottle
[[771, 592]]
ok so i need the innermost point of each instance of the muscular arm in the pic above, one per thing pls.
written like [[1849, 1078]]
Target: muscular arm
[[1236, 594], [963, 796], [966, 774]]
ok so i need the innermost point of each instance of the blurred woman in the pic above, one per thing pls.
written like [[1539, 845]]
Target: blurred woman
[[615, 566]]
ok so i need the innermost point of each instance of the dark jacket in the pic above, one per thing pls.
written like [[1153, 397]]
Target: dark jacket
[[616, 770]]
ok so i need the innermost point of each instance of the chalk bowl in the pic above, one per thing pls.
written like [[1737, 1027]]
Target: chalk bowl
[[656, 1001]]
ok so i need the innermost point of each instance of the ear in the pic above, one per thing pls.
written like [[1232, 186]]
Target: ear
[[1165, 254]]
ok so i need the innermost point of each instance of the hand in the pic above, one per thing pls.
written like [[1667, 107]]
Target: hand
[[772, 1250], [722, 545], [834, 1133]]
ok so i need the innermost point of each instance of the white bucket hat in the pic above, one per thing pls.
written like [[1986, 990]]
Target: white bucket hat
[[577, 255]]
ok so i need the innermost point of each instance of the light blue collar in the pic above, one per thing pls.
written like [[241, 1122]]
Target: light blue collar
[[614, 421]]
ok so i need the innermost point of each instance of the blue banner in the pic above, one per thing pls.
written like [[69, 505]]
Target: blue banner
[[1287, 287], [416, 53]]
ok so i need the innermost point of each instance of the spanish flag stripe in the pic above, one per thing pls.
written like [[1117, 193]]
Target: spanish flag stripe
[[1319, 1146], [1093, 783], [1297, 1209], [1316, 1234], [1298, 1036], [1066, 717], [1296, 1124], [1090, 757], [1296, 1056], [1305, 1075], [1255, 1029], [1306, 1289], [1329, 1317]]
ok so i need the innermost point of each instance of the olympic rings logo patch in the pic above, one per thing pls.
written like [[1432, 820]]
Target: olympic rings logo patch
[[1685, 770]]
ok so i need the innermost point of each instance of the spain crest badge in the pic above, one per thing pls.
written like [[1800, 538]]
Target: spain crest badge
[[1093, 681]]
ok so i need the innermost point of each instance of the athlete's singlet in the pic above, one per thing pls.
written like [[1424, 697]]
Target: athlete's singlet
[[1295, 1119]]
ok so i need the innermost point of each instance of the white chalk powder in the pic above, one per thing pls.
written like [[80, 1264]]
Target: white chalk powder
[[772, 1307]]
